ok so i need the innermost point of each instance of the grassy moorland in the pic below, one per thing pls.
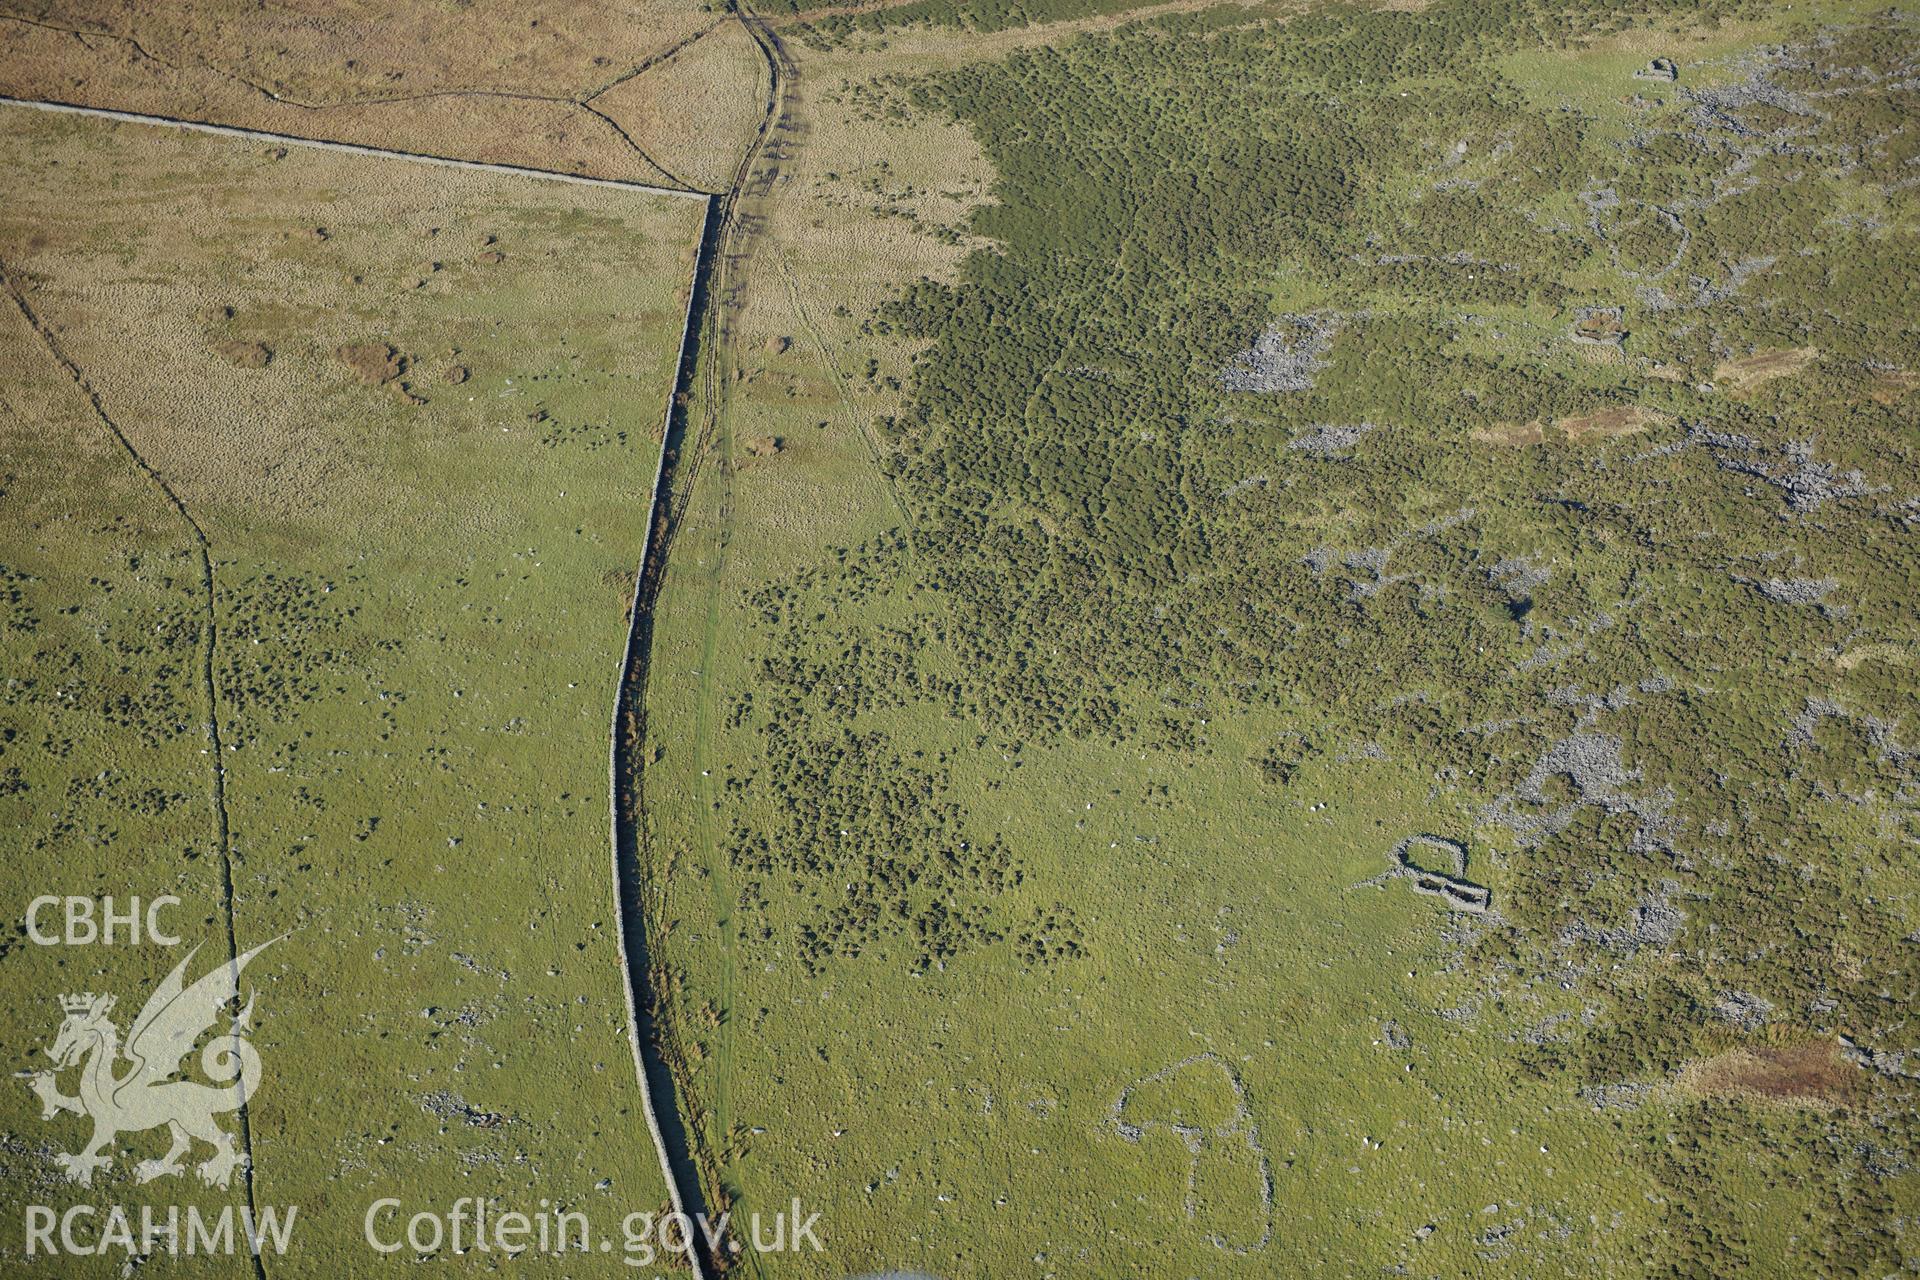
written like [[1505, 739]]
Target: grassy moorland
[[1286, 645], [1238, 447], [576, 86], [415, 416]]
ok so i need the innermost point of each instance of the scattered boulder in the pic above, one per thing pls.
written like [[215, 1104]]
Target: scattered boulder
[[1600, 326], [1794, 590], [1806, 481], [1743, 1009], [1287, 356], [1326, 440], [1621, 1096], [1886, 1062], [1660, 69], [451, 1106]]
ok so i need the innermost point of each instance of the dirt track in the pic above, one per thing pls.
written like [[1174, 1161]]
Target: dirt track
[[723, 241]]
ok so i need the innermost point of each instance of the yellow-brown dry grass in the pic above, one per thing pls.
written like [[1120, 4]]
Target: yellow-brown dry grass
[[1881, 651], [826, 243], [1747, 373], [1892, 385], [695, 113], [481, 82], [1604, 424], [1808, 1074], [1092, 22], [178, 311], [338, 51], [1511, 434]]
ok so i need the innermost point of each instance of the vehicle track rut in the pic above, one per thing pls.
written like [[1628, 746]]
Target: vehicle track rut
[[723, 246]]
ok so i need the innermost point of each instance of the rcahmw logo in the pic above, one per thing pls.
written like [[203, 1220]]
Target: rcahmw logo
[[129, 1087], [135, 1083], [143, 1232]]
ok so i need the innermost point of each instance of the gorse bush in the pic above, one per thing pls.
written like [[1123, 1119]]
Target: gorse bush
[[1583, 581]]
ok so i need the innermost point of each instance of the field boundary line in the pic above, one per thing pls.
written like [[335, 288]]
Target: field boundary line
[[629, 918], [625, 921], [347, 148], [223, 832]]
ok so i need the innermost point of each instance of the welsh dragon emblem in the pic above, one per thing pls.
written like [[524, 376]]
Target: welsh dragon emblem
[[129, 1088]]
